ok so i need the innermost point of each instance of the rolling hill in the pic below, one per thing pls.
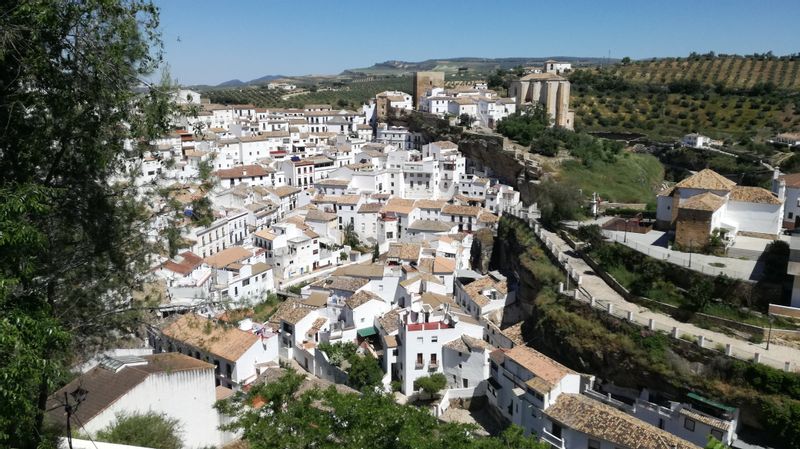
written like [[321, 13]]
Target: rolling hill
[[738, 72]]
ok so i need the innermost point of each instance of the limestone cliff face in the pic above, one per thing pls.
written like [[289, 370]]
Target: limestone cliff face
[[486, 151], [483, 150], [482, 249]]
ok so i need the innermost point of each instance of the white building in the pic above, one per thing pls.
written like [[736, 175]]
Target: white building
[[176, 385], [234, 353], [707, 201], [695, 140], [544, 397], [553, 66], [425, 327]]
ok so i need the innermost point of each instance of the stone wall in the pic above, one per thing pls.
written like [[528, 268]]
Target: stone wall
[[693, 228]]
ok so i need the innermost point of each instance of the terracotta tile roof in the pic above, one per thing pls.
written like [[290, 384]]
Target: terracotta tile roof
[[452, 209], [317, 299], [476, 288], [606, 423], [666, 191], [360, 298], [404, 251], [189, 261], [430, 226], [436, 300], [538, 364], [370, 208], [488, 217], [228, 256], [365, 270], [224, 341], [444, 265], [465, 343], [318, 215], [391, 341], [243, 171], [425, 265], [399, 206], [792, 179], [430, 204], [706, 419], [389, 321], [705, 201], [295, 313], [706, 179], [283, 191], [265, 234], [350, 200], [223, 393], [753, 195], [332, 182], [345, 283]]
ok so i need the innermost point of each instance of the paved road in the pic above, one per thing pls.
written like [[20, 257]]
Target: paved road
[[776, 356]]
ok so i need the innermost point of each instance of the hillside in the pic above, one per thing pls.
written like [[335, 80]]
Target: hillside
[[732, 98], [737, 72], [478, 66], [339, 93]]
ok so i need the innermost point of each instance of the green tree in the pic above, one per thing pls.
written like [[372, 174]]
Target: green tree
[[150, 429], [364, 373], [432, 384], [713, 443], [591, 234], [626, 60], [376, 252], [72, 241], [328, 419], [557, 202], [700, 294], [465, 120]]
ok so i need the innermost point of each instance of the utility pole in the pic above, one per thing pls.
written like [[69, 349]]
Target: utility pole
[[79, 395], [769, 335]]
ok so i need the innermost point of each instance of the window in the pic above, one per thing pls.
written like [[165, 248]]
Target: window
[[245, 282], [688, 424], [791, 215], [716, 434], [419, 360], [434, 339], [593, 444], [420, 340]]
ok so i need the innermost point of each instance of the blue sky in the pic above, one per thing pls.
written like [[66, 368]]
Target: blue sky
[[214, 41]]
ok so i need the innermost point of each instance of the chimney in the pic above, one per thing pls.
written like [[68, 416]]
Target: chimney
[[782, 190]]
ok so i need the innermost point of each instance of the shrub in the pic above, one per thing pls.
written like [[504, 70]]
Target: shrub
[[148, 429], [432, 384]]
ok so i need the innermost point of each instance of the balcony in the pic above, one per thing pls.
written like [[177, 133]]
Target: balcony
[[433, 366], [419, 365], [552, 439]]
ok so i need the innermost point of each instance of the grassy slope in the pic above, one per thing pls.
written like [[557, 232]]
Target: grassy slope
[[632, 179]]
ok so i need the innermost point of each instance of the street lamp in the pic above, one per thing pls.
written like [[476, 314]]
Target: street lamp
[[625, 240], [769, 335]]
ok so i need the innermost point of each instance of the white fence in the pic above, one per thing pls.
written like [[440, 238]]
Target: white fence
[[678, 258], [440, 407], [755, 354]]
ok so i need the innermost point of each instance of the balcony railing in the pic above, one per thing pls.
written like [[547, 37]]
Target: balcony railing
[[433, 366], [552, 439], [419, 365]]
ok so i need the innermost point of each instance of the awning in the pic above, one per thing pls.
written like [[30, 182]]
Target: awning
[[367, 331], [711, 403]]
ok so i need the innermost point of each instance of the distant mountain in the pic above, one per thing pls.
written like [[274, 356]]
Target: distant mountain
[[265, 78], [239, 83], [232, 83], [478, 65]]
